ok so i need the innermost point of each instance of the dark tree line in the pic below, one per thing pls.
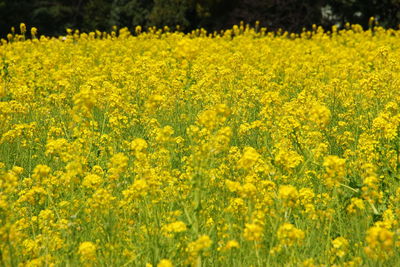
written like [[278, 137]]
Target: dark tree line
[[52, 17]]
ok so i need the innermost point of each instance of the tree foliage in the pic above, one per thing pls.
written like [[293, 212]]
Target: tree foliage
[[52, 17]]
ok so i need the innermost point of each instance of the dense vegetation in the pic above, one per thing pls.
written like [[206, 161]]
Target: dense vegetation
[[53, 17], [242, 149]]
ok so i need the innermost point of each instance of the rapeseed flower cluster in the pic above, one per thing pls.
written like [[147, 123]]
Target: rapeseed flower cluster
[[234, 148]]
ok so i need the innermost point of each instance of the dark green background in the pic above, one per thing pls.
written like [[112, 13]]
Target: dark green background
[[52, 17]]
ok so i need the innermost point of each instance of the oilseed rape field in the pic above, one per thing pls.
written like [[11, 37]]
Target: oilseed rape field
[[236, 148]]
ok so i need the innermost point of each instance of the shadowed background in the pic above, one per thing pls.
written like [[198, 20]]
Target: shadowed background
[[52, 17]]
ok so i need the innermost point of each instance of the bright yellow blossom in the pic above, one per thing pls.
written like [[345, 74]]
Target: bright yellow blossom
[[87, 251], [379, 243], [165, 263]]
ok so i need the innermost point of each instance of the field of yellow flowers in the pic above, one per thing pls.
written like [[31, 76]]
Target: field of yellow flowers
[[159, 148]]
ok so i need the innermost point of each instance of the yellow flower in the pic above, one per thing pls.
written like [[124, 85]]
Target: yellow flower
[[340, 247], [117, 165], [87, 251], [139, 188], [287, 157], [379, 243], [22, 27], [248, 190], [138, 145], [355, 206], [320, 115], [232, 244], [253, 232], [164, 134], [335, 171], [154, 103], [175, 227], [196, 247], [41, 170], [165, 263], [101, 200], [288, 194], [92, 181], [289, 235], [249, 158], [33, 31]]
